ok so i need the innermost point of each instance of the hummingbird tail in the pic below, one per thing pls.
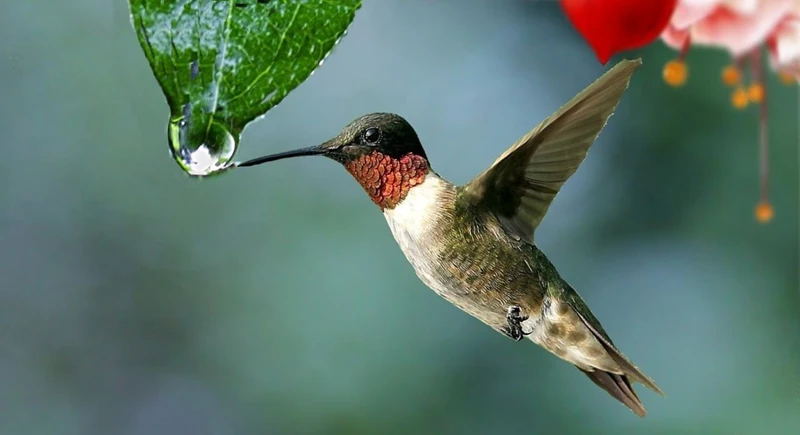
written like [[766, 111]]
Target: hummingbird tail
[[629, 369], [615, 372], [619, 387]]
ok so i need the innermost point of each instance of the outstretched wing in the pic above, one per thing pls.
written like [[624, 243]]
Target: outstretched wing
[[519, 187]]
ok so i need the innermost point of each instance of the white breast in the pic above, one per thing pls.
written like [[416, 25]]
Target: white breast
[[421, 208], [412, 223]]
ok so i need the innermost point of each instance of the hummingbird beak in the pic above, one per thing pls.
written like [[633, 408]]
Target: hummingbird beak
[[310, 151]]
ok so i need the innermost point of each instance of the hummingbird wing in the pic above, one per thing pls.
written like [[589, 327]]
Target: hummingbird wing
[[520, 185]]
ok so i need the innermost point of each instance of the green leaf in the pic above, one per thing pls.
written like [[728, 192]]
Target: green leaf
[[223, 63]]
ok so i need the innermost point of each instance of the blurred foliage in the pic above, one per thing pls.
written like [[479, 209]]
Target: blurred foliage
[[134, 300]]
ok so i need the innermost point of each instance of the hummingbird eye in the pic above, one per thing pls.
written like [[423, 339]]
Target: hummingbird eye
[[371, 136]]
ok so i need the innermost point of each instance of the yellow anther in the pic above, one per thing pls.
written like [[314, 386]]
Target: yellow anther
[[675, 73], [756, 92], [731, 75], [740, 98], [764, 212], [786, 78]]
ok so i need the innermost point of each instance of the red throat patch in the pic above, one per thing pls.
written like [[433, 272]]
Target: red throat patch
[[387, 180]]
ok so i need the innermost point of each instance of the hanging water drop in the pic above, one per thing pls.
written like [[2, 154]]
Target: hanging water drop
[[201, 150]]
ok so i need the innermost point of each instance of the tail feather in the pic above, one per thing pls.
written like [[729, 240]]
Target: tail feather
[[597, 357], [624, 363], [619, 387]]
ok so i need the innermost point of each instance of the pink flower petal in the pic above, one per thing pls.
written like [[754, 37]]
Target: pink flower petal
[[675, 38], [687, 13], [743, 7], [741, 33], [787, 42]]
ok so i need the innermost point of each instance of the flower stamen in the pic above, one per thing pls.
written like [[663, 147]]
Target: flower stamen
[[731, 75], [786, 78], [764, 211], [740, 98], [675, 71], [756, 93]]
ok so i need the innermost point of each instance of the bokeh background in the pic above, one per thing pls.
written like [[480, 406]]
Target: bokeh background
[[135, 300]]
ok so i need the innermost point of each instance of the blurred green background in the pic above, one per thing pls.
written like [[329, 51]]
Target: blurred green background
[[134, 300]]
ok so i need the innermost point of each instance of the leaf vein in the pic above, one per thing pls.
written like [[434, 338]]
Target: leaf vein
[[275, 56]]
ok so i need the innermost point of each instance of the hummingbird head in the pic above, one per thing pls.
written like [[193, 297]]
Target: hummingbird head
[[380, 150]]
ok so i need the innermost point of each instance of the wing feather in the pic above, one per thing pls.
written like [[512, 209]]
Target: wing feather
[[520, 185]]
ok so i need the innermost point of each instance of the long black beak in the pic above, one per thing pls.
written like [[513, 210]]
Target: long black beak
[[310, 151]]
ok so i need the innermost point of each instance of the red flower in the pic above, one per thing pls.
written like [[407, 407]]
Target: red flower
[[611, 26]]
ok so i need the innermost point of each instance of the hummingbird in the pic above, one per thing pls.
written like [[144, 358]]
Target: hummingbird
[[474, 245]]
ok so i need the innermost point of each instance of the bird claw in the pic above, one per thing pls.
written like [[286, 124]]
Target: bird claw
[[515, 318]]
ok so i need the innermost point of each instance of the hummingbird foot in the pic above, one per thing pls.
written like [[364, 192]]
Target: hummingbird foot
[[515, 318]]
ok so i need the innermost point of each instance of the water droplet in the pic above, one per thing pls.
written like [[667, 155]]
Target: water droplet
[[201, 150]]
